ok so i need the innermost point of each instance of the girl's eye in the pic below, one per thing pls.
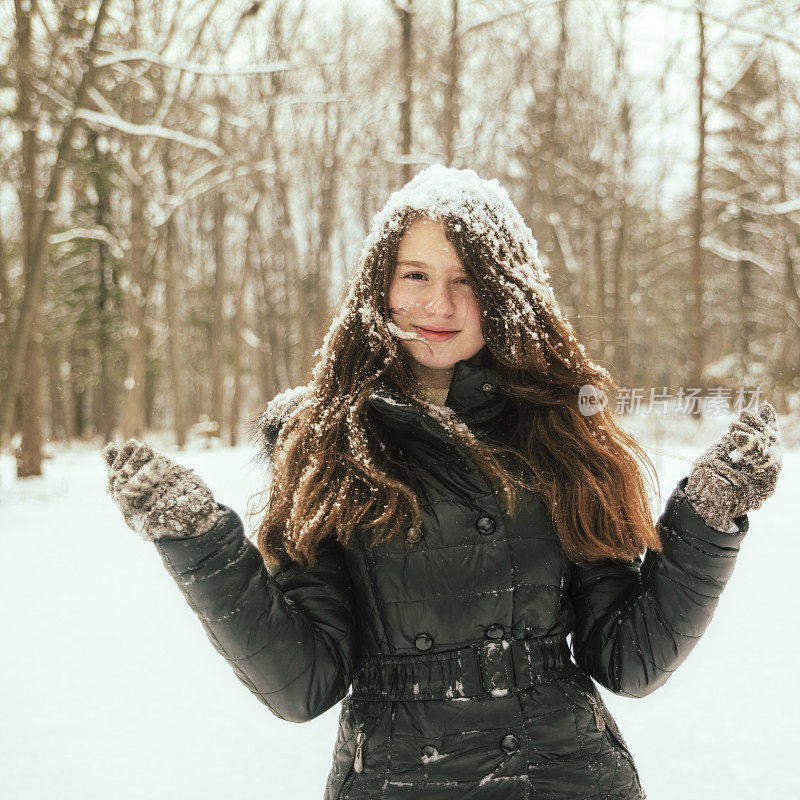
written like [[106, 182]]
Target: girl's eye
[[410, 274]]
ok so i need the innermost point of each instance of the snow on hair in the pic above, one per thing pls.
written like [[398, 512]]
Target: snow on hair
[[484, 205], [491, 218]]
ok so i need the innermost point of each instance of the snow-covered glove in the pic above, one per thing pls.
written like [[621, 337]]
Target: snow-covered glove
[[739, 471], [157, 496]]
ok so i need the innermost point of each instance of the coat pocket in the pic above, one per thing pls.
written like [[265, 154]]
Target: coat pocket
[[357, 762], [607, 725], [359, 754], [448, 759]]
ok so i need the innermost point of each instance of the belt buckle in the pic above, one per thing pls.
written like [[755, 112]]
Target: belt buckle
[[497, 667]]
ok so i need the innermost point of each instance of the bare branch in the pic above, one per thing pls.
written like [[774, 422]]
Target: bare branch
[[531, 5], [791, 40], [194, 188], [401, 6], [203, 69], [737, 75]]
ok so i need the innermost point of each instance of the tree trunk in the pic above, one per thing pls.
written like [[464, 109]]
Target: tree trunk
[[29, 458], [621, 329], [5, 315], [105, 418], [451, 90], [134, 423], [407, 69], [236, 328], [600, 301], [746, 325], [218, 338], [696, 332], [58, 385], [29, 455], [172, 293]]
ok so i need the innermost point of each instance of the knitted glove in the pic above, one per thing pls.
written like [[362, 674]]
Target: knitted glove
[[157, 496], [739, 471]]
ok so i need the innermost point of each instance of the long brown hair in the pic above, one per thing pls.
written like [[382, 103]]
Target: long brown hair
[[331, 469]]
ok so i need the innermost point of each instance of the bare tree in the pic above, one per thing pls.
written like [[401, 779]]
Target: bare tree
[[696, 274], [623, 279], [173, 290], [405, 15], [451, 100], [36, 251], [139, 274]]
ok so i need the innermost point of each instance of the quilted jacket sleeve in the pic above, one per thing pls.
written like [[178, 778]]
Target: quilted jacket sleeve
[[287, 632], [636, 621]]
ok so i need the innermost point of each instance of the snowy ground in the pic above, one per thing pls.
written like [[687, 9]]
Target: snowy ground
[[110, 689]]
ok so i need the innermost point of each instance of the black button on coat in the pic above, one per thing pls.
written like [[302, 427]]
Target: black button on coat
[[297, 637]]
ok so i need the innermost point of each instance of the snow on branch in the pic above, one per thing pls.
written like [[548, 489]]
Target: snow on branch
[[196, 187], [203, 69], [147, 130], [731, 253], [410, 158], [788, 206], [98, 233], [292, 99], [733, 80]]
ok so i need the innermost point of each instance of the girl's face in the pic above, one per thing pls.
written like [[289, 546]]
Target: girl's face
[[429, 292]]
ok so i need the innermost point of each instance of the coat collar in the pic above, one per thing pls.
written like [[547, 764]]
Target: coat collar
[[474, 395]]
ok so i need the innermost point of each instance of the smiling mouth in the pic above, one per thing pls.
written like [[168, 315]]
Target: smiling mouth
[[435, 330], [433, 335]]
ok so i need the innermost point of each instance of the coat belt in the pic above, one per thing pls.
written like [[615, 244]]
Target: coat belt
[[491, 668]]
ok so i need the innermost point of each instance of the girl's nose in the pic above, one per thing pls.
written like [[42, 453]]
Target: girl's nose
[[440, 301]]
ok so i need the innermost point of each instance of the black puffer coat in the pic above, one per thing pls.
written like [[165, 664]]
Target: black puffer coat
[[455, 640]]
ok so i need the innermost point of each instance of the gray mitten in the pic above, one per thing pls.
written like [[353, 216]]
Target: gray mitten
[[739, 471], [157, 496]]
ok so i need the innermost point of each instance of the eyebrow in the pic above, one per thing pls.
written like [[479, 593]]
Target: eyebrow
[[423, 264]]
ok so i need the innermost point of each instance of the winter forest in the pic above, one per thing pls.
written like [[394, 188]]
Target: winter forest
[[184, 187]]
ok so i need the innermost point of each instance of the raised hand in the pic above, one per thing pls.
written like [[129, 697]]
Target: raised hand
[[157, 496], [739, 471]]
